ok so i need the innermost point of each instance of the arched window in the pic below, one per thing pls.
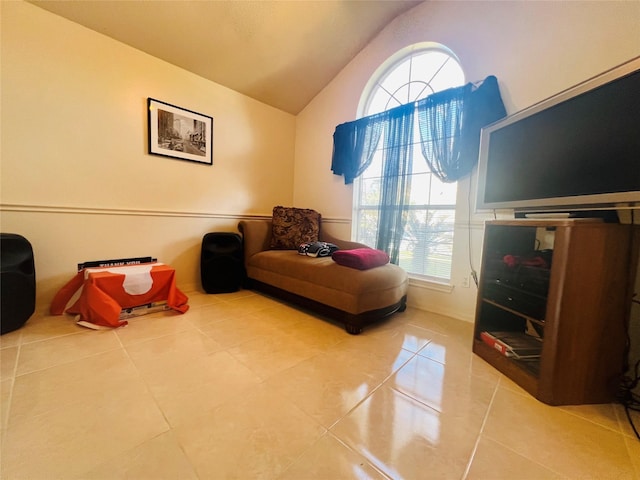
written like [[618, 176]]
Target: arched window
[[413, 73]]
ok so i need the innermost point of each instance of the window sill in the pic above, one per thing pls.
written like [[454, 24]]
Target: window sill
[[420, 282]]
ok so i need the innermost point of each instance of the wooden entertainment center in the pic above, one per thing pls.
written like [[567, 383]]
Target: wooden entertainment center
[[569, 283]]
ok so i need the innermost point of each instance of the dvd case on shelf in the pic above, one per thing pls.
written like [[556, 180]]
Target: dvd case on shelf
[[513, 344]]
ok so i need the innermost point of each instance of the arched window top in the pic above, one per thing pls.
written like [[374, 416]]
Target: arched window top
[[411, 74]]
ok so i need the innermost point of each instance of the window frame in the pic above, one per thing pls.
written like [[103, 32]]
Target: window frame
[[366, 98]]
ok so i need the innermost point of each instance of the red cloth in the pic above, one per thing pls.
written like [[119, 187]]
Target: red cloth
[[361, 258], [104, 295], [514, 261]]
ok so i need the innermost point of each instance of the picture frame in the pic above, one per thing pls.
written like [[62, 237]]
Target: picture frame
[[179, 133]]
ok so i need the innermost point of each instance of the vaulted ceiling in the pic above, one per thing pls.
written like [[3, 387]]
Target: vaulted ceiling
[[281, 52]]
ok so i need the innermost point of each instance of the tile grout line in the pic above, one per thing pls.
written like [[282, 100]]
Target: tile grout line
[[484, 422], [143, 380], [348, 447], [84, 357], [619, 420], [329, 430], [374, 390], [498, 386], [171, 428], [6, 415], [381, 384]]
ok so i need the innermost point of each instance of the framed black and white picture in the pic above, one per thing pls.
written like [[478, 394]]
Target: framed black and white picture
[[179, 133]]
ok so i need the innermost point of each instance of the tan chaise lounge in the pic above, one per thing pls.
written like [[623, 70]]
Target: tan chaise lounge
[[348, 295]]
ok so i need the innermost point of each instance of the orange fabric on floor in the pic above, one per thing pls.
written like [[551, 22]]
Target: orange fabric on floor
[[103, 296]]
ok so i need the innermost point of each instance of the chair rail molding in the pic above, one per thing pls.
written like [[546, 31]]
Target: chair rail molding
[[64, 209]]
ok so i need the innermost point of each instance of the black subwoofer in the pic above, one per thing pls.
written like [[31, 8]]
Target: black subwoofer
[[17, 282], [221, 262]]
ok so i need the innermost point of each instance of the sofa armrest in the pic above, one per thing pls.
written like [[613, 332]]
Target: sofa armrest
[[257, 236], [342, 244]]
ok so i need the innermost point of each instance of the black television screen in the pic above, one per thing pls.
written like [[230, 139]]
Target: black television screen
[[577, 150]]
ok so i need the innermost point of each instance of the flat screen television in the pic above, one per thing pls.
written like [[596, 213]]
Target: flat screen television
[[578, 150]]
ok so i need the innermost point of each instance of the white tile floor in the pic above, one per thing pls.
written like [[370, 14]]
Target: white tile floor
[[243, 386]]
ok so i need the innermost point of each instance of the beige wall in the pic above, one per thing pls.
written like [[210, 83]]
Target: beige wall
[[76, 177], [77, 181], [535, 49]]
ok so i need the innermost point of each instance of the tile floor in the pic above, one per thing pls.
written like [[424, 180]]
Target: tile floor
[[243, 386]]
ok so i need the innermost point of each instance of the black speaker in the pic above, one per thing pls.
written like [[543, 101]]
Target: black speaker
[[221, 262], [17, 282]]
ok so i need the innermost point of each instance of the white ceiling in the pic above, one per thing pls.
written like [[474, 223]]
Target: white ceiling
[[280, 52]]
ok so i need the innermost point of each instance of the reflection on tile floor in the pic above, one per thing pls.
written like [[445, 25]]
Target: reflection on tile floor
[[245, 386]]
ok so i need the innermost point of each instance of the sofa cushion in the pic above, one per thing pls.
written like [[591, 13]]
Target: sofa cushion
[[323, 280], [361, 258], [293, 226]]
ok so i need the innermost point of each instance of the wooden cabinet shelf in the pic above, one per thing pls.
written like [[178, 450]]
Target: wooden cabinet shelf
[[567, 282]]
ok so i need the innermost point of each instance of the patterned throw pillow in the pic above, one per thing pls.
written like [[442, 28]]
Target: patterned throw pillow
[[293, 226]]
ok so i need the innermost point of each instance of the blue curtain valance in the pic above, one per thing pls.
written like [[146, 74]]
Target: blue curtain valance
[[354, 144], [449, 121]]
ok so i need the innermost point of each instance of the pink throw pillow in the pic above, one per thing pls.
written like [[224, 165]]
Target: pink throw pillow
[[361, 258]]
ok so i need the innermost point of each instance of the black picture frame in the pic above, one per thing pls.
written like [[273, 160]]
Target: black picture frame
[[178, 133]]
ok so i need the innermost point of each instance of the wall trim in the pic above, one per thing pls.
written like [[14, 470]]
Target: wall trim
[[61, 209], [446, 313], [473, 224], [430, 285]]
